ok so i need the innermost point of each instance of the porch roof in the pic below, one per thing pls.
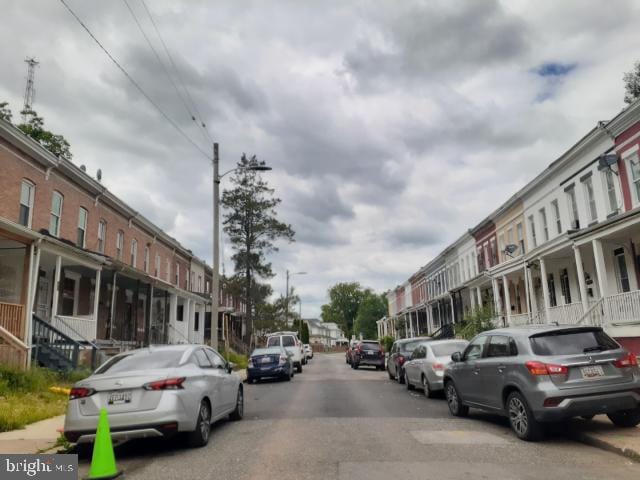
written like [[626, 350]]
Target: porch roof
[[611, 226]]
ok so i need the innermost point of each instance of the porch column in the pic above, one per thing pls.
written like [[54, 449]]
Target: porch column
[[112, 317], [473, 299], [34, 267], [496, 296], [526, 289], [479, 297], [545, 289], [173, 315], [533, 308], [96, 301], [56, 288], [507, 299], [601, 269], [150, 315], [453, 310], [581, 281]]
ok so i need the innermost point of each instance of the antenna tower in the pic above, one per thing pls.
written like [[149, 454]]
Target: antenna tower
[[29, 91]]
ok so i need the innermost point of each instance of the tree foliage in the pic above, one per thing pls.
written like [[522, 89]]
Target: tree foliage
[[475, 322], [303, 329], [371, 309], [344, 303], [253, 227], [632, 83], [34, 128]]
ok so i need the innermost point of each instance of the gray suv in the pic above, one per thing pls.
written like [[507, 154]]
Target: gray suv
[[545, 373]]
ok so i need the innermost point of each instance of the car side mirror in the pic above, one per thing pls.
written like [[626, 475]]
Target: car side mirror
[[456, 357], [231, 367]]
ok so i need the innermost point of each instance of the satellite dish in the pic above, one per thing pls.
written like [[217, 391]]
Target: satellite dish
[[99, 174], [607, 160], [510, 249], [83, 168]]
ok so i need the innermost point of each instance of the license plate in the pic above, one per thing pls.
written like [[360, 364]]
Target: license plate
[[265, 360], [592, 372], [118, 398]]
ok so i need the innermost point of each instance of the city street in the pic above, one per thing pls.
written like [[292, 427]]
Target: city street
[[332, 422]]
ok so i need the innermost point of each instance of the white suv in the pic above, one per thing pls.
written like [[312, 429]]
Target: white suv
[[288, 340]]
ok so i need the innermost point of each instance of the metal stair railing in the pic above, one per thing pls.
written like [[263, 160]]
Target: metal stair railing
[[445, 331], [50, 338]]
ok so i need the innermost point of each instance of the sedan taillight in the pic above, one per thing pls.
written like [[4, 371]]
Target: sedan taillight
[[401, 360], [629, 361], [539, 368], [168, 384], [437, 367], [80, 392]]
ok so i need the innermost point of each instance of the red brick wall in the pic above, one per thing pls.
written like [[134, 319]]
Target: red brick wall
[[624, 175], [14, 170]]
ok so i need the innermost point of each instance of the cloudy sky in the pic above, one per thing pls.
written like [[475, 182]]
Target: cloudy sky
[[392, 126]]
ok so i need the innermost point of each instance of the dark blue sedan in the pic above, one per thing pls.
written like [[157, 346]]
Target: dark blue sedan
[[272, 362]]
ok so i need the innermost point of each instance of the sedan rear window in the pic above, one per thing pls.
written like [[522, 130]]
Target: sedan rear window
[[142, 361], [571, 342], [273, 342], [448, 349], [288, 341], [370, 346], [409, 346]]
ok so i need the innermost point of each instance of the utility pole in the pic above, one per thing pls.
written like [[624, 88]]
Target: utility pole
[[286, 301], [215, 283], [29, 91]]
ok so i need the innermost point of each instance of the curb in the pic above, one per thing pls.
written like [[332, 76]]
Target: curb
[[606, 445]]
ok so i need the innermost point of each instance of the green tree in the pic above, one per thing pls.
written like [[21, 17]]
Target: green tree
[[253, 227], [303, 329], [5, 112], [475, 322], [34, 127], [371, 309], [344, 301], [632, 83]]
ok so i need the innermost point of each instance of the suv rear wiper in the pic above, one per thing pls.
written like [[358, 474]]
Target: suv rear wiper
[[599, 348]]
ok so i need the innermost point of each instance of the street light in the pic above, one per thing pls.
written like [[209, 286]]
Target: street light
[[287, 296], [215, 283]]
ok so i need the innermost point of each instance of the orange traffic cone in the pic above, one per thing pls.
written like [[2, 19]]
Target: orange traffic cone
[[103, 460]]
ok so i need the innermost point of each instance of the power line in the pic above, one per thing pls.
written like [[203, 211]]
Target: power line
[[135, 84], [166, 70], [175, 68]]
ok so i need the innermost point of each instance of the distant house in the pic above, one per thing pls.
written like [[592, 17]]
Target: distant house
[[327, 334]]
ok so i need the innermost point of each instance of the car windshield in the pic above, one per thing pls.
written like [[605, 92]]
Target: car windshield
[[370, 345], [409, 347], [447, 349], [144, 360], [273, 342], [571, 342]]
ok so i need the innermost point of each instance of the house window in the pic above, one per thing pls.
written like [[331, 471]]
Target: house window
[[177, 274], [157, 272], [26, 203], [193, 282], [510, 236], [208, 287], [518, 299], [610, 186], [552, 291], [573, 208], [556, 214], [146, 259], [621, 271], [200, 284], [102, 234], [119, 244], [532, 226], [501, 245], [82, 227], [168, 272], [494, 252], [545, 227], [564, 286], [196, 322], [520, 238], [634, 163], [56, 214], [591, 199], [463, 271], [134, 252]]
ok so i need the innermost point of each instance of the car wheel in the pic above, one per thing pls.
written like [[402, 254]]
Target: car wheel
[[238, 413], [426, 388], [299, 368], [525, 426], [407, 382], [200, 436], [456, 407], [625, 418]]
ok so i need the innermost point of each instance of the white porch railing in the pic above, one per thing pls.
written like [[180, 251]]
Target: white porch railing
[[623, 308], [81, 329], [519, 319], [566, 314], [176, 336]]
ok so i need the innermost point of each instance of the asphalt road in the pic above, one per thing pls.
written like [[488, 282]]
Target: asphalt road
[[332, 422]]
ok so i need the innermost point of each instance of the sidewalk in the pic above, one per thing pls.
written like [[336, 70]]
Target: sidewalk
[[601, 433], [33, 438]]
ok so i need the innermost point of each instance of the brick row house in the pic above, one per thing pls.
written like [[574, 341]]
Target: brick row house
[[565, 248], [82, 270]]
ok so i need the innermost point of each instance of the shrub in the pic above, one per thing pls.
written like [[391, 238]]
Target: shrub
[[387, 342], [475, 322], [240, 360]]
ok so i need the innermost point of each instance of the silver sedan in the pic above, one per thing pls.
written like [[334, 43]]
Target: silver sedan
[[155, 392], [425, 368]]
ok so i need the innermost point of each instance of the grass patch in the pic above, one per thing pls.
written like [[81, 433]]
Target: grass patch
[[25, 396], [240, 360]]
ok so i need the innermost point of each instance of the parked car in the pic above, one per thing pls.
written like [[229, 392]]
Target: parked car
[[308, 350], [288, 340], [350, 351], [425, 367], [544, 373], [399, 353], [368, 352], [269, 363], [156, 392]]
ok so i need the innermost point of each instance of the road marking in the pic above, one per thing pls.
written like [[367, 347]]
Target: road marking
[[457, 437]]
